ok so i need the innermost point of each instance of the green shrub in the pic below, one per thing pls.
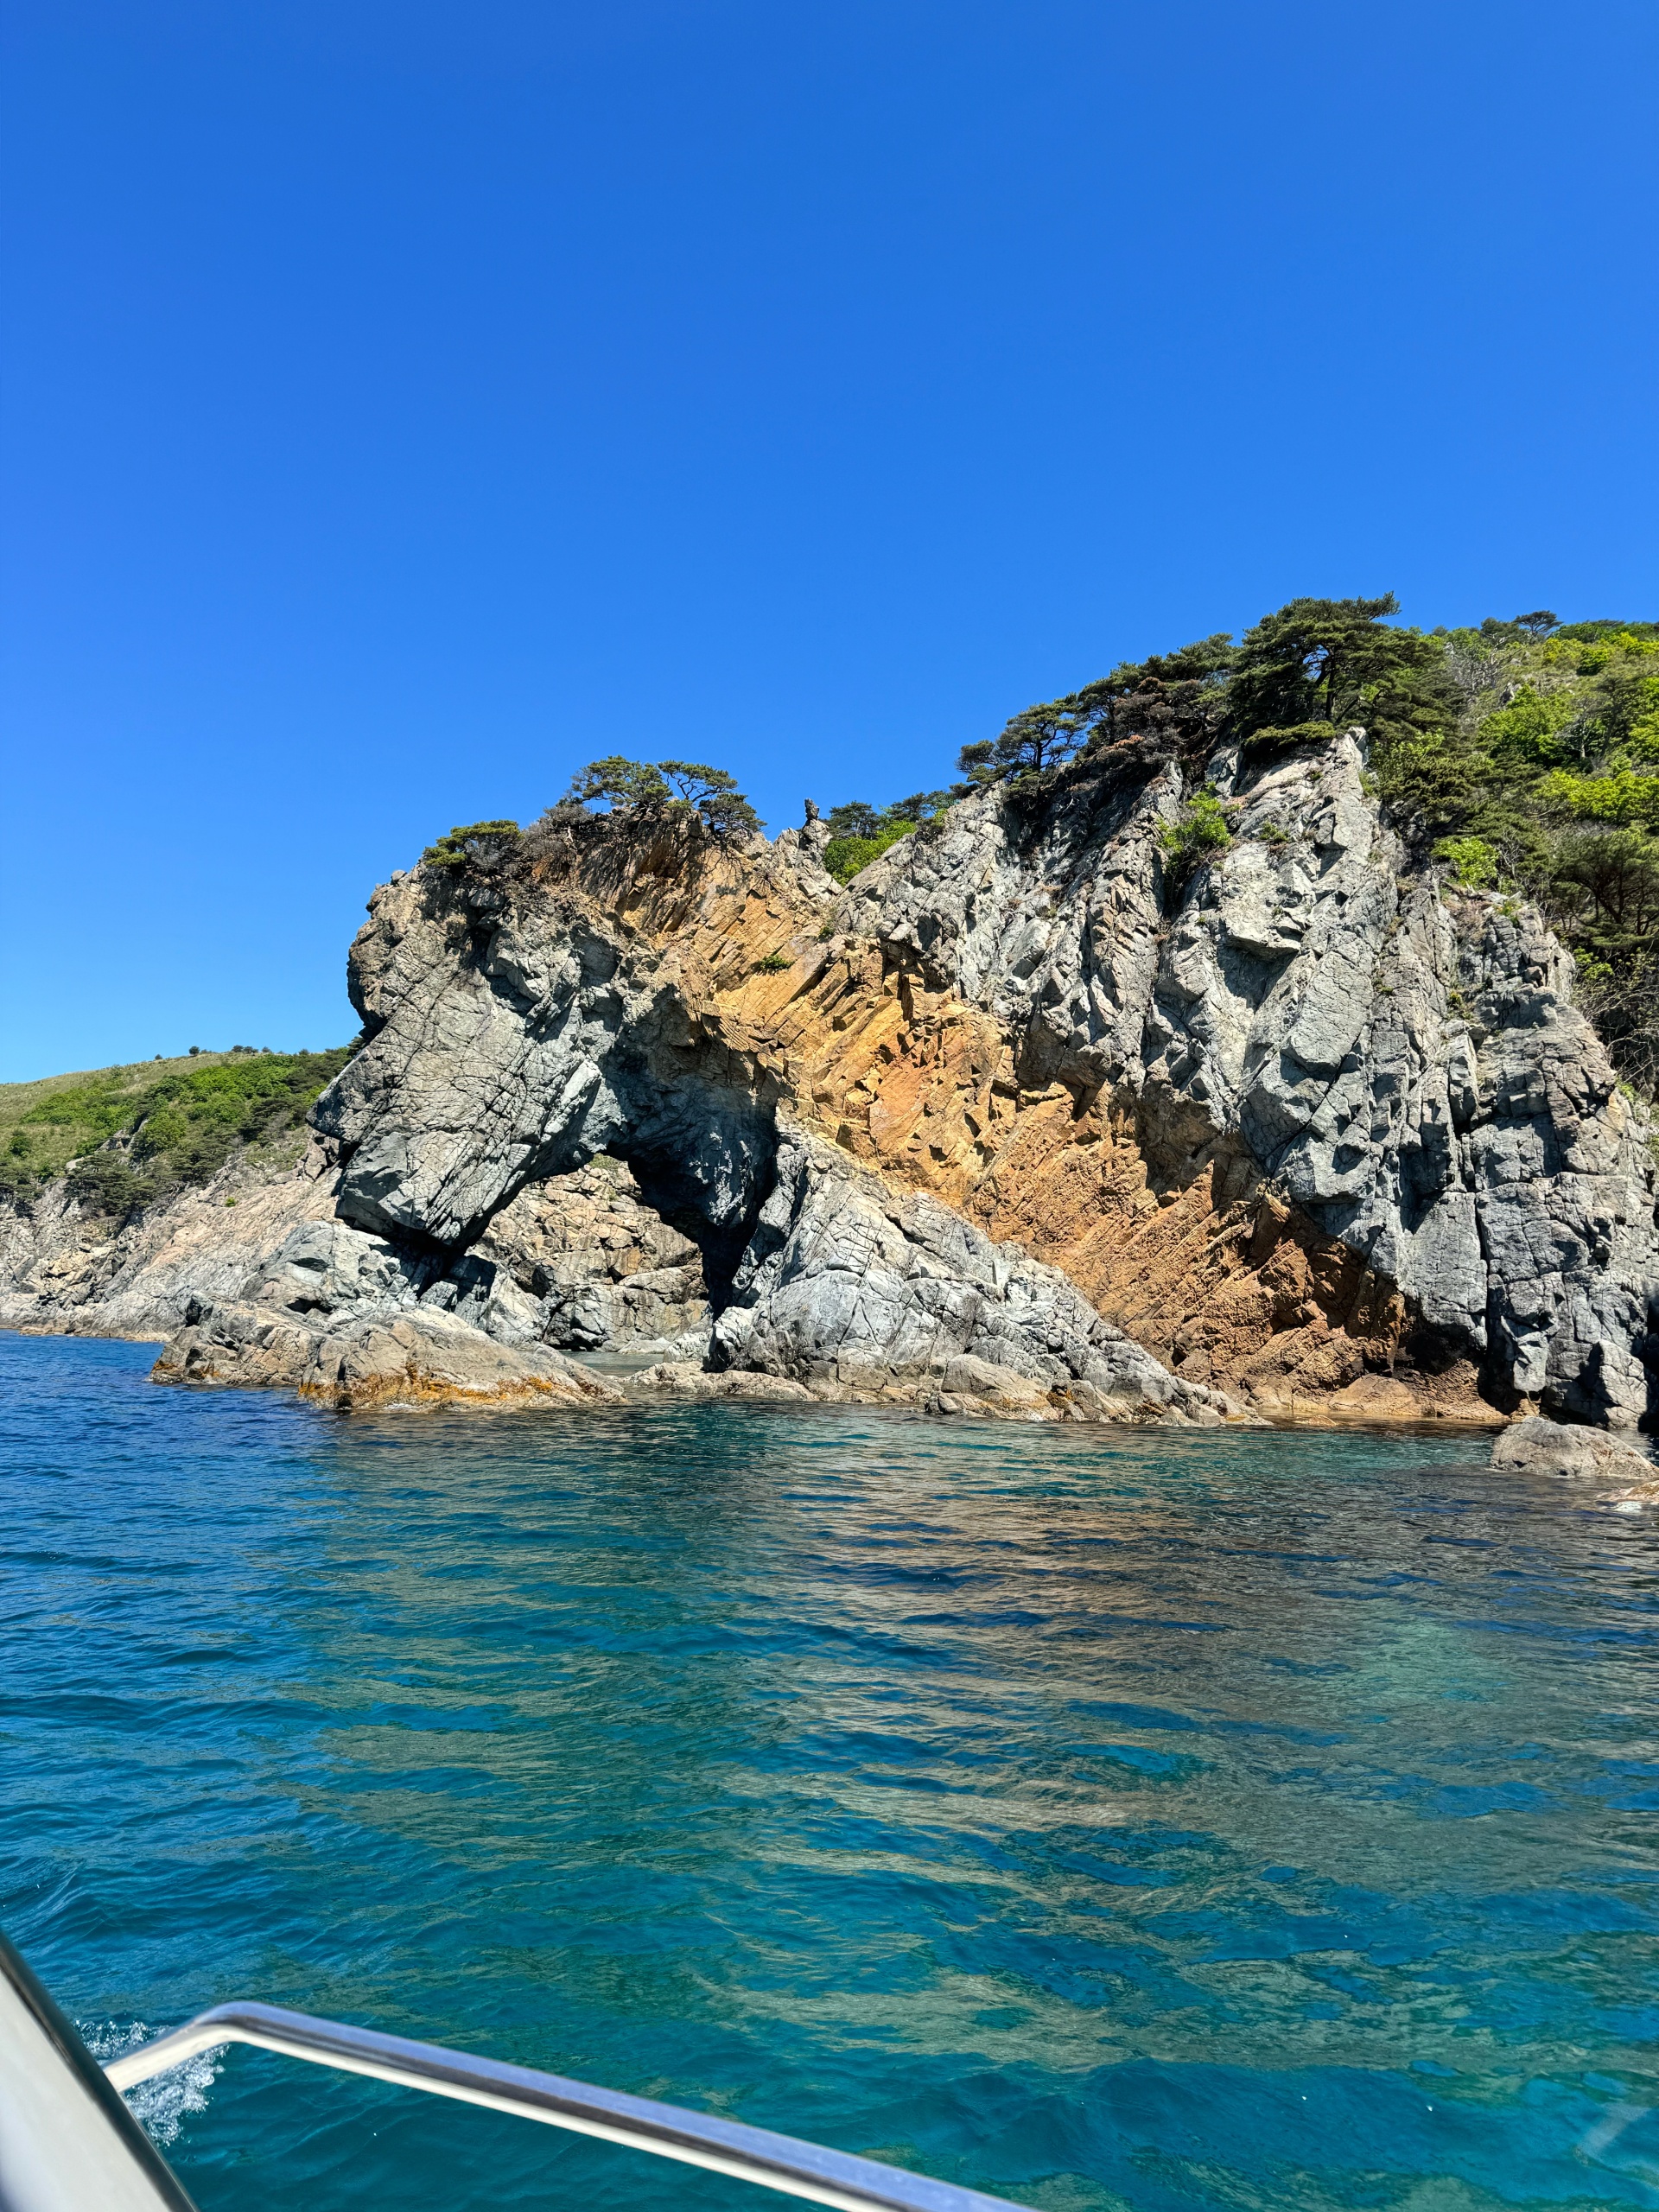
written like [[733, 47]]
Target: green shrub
[[174, 1130], [1474, 864], [1201, 830], [845, 857], [775, 963], [1267, 744], [474, 844]]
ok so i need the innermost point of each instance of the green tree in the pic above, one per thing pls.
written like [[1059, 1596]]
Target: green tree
[[1624, 702], [477, 844], [856, 817], [1615, 874], [919, 807], [1172, 698], [1176, 697], [619, 786], [859, 833], [615, 783], [1331, 662], [1033, 741], [710, 793]]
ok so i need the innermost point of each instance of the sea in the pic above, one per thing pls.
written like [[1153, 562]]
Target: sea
[[1104, 1818]]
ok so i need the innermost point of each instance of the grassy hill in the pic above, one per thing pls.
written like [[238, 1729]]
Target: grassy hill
[[124, 1137]]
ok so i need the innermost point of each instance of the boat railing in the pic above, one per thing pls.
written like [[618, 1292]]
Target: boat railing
[[724, 2146]]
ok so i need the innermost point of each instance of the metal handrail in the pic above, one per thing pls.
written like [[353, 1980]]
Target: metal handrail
[[724, 2146]]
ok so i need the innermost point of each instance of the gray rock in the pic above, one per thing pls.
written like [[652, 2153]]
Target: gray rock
[[324, 1266], [1408, 1067], [416, 1358], [802, 850], [496, 1066], [847, 1281], [687, 1380], [1547, 1448], [596, 1269], [65, 1271]]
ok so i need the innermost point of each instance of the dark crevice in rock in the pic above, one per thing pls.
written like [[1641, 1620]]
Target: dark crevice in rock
[[708, 1174]]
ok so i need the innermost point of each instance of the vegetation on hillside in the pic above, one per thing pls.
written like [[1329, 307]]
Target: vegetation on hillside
[[126, 1136], [640, 799], [1518, 755], [611, 796]]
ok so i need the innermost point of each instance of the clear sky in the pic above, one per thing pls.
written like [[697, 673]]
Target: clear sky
[[406, 401]]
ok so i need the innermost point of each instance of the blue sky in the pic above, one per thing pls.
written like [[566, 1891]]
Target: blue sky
[[407, 402]]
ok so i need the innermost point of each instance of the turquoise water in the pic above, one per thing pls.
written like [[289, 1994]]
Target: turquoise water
[[1144, 1821]]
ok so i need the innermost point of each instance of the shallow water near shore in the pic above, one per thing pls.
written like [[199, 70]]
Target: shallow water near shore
[[1101, 1819]]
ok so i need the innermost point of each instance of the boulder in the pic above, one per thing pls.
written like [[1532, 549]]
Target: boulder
[[416, 1358], [984, 1386], [682, 1379], [1622, 1474]]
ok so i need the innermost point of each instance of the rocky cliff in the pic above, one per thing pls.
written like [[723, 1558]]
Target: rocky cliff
[[1034, 1117]]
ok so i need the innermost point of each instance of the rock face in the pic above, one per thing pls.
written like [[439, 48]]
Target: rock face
[[1021, 1124], [1311, 1120], [594, 1268], [844, 1282]]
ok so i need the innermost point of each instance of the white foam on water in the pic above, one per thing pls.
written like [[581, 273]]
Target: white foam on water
[[160, 2104]]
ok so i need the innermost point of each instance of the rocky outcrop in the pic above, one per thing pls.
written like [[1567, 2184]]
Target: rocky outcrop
[[1610, 1470], [1310, 1120], [66, 1271], [422, 1357], [1025, 1120], [594, 1268], [845, 1282]]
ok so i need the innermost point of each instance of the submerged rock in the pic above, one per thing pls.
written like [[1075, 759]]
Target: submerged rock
[[685, 1379]]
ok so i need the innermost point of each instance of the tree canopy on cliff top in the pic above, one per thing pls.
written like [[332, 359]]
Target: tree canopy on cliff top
[[687, 789], [1521, 754]]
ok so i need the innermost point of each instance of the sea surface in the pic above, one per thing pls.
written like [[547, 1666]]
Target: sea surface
[[1102, 1819]]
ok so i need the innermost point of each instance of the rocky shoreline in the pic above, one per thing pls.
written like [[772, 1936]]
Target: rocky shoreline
[[1023, 1123]]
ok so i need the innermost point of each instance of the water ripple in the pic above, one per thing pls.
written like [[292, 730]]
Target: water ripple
[[1114, 1821]]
